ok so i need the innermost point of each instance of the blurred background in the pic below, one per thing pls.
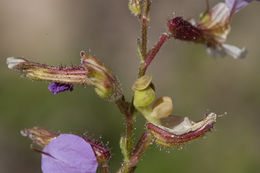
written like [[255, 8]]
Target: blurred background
[[54, 32]]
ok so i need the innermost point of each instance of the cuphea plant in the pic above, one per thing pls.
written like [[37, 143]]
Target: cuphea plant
[[68, 153]]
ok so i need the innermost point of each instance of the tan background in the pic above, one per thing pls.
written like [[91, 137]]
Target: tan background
[[55, 31]]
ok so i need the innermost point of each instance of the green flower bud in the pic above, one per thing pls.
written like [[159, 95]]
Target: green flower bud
[[135, 7]]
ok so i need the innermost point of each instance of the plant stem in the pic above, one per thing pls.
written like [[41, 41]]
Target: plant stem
[[125, 108], [144, 18], [138, 152], [140, 148], [152, 53], [104, 167]]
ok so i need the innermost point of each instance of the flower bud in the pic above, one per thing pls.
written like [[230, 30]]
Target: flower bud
[[135, 7], [176, 131], [104, 82], [162, 107]]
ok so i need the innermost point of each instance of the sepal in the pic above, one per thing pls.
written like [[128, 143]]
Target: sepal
[[176, 131]]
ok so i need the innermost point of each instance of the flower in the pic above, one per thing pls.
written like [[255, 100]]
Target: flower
[[211, 30], [89, 72], [67, 145], [68, 153], [59, 87]]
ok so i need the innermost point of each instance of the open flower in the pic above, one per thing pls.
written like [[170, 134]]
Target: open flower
[[212, 29], [67, 153]]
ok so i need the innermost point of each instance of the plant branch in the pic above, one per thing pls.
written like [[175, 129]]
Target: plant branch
[[153, 52]]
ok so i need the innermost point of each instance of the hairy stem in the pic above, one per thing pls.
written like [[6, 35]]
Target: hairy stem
[[140, 148], [124, 108], [138, 152], [153, 52], [144, 18]]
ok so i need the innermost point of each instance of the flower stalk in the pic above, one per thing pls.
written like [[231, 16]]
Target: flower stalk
[[152, 53]]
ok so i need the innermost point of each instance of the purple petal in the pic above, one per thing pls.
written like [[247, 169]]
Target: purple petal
[[59, 87], [238, 4], [69, 153]]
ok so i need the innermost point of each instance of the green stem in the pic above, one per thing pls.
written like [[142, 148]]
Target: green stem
[[142, 145]]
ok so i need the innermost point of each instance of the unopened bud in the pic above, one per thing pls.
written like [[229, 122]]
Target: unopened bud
[[162, 107], [135, 7]]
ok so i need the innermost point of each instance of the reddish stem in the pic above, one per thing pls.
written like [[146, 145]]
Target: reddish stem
[[152, 53], [140, 148]]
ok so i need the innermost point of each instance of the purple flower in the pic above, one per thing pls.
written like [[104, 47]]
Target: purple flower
[[69, 153], [59, 87], [236, 5]]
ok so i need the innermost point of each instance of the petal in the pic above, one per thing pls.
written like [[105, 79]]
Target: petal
[[215, 52], [69, 154], [59, 87], [217, 17], [215, 24], [237, 4], [234, 51], [227, 49], [12, 62]]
